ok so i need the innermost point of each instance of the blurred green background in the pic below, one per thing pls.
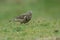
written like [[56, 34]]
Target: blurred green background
[[11, 8], [45, 19]]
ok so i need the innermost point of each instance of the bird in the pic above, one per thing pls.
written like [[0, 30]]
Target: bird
[[23, 18]]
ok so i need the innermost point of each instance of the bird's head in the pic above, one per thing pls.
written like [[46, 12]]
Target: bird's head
[[29, 12]]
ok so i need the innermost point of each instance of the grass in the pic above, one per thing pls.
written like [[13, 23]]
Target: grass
[[41, 27], [45, 20]]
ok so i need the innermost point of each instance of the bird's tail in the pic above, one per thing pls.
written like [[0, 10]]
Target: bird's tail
[[12, 20]]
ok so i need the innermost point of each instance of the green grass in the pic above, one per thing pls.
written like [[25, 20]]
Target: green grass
[[45, 20], [41, 27]]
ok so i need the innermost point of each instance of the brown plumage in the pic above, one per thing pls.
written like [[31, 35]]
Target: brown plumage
[[24, 18]]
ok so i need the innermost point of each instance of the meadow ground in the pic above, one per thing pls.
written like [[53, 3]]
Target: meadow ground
[[44, 23]]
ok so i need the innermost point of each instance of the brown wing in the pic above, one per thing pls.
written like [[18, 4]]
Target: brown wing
[[20, 17]]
